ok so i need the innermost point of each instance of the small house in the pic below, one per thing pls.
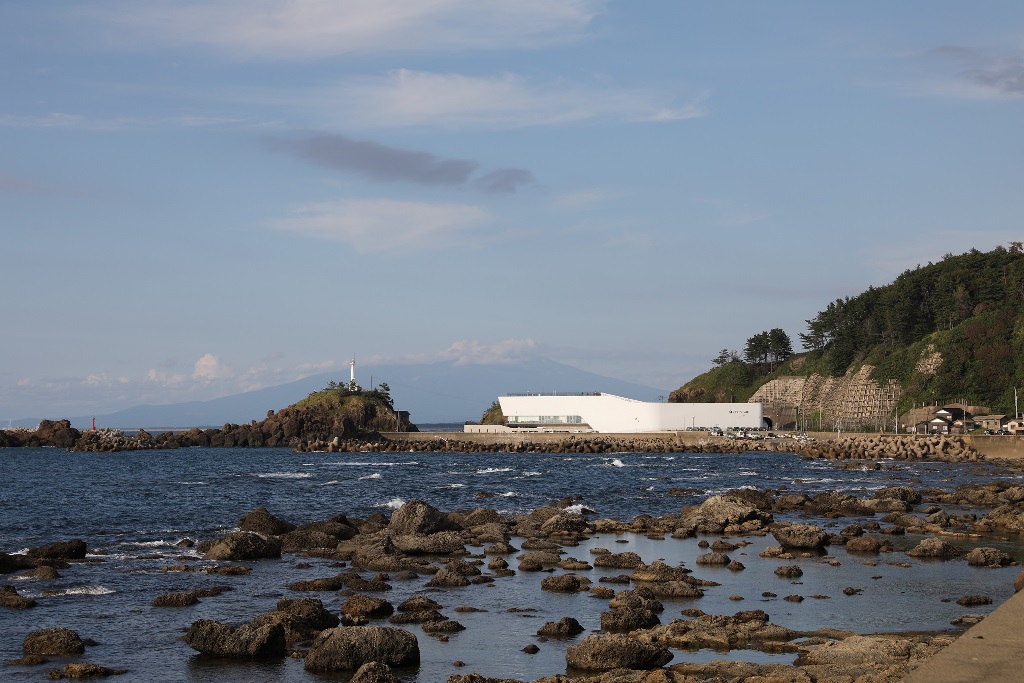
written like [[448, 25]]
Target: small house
[[996, 423]]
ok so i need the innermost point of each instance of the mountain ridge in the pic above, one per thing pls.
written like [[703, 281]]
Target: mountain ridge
[[441, 392]]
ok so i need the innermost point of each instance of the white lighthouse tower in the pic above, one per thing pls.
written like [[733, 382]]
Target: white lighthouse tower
[[352, 371]]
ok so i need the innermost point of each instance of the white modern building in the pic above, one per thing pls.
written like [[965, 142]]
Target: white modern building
[[614, 414]]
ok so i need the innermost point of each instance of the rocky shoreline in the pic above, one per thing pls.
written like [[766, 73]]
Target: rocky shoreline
[[463, 550], [289, 430]]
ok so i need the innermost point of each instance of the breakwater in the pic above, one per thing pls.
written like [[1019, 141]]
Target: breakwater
[[828, 445], [843, 447]]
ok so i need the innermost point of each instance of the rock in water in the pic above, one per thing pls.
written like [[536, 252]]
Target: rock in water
[[53, 641], [346, 648], [243, 545], [417, 517], [603, 652], [250, 641]]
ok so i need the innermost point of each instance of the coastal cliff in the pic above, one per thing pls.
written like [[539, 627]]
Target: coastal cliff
[[323, 418]]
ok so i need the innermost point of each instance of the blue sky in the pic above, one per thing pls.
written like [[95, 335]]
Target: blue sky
[[202, 198]]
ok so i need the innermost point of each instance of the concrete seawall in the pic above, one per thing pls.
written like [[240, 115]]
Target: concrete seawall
[[1010, 447]]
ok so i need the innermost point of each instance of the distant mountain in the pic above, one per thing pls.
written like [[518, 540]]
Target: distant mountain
[[432, 393]]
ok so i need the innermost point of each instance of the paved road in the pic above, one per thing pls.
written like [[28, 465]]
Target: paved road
[[991, 651]]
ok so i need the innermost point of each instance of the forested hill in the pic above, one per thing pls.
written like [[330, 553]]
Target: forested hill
[[948, 331]]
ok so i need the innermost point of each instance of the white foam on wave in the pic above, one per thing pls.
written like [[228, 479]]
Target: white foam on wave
[[83, 590], [332, 482], [146, 544], [191, 483], [746, 473], [284, 475], [353, 463], [455, 486], [577, 508], [494, 470], [375, 475], [616, 463], [508, 494], [394, 503], [532, 474]]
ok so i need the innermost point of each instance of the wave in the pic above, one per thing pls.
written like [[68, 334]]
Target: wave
[[508, 494], [375, 475], [191, 483], [353, 463], [394, 503], [494, 470], [615, 463], [284, 475], [577, 508], [455, 486], [332, 482], [81, 590], [531, 474]]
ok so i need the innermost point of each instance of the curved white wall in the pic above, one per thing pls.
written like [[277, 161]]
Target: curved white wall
[[610, 413]]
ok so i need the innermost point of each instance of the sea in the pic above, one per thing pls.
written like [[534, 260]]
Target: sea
[[132, 509]]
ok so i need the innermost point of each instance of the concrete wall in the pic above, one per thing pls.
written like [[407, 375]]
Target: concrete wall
[[607, 413]]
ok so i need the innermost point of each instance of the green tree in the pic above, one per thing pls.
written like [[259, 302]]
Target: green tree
[[725, 356], [780, 347]]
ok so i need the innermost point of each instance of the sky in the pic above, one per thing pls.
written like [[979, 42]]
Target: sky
[[204, 198]]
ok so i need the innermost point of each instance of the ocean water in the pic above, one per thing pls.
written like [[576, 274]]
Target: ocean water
[[131, 508]]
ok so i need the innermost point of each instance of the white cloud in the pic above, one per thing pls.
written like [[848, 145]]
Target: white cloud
[[309, 29], [475, 353], [210, 367], [415, 98], [372, 225]]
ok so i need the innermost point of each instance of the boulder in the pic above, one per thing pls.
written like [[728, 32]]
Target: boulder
[[863, 544], [614, 651], [565, 583], [566, 627], [242, 545], [800, 536], [84, 670], [988, 557], [260, 521], [789, 572], [659, 572], [347, 648], [53, 641], [9, 598], [12, 563], [440, 543], [301, 618], [626, 560], [565, 523], [63, 551], [176, 600], [417, 517], [935, 547], [360, 605], [713, 559], [374, 672], [720, 513], [257, 640]]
